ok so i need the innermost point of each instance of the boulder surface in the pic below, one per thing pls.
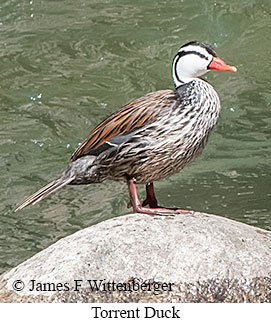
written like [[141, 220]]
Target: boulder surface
[[193, 257]]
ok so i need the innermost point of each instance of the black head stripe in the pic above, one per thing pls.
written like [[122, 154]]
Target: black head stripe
[[206, 46], [183, 53], [175, 68]]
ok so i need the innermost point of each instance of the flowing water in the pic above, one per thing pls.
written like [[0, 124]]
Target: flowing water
[[65, 65]]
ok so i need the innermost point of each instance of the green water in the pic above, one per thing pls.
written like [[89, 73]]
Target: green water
[[65, 65]]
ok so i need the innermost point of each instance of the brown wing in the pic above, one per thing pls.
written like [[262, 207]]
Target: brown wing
[[131, 116]]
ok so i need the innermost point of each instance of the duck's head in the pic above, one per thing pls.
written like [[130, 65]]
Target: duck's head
[[195, 59]]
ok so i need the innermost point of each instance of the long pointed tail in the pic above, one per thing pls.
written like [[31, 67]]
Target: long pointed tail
[[44, 192]]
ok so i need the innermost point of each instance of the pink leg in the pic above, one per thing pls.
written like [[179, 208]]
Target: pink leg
[[150, 199], [138, 208]]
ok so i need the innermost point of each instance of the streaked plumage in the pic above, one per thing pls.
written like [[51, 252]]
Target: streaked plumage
[[152, 137]]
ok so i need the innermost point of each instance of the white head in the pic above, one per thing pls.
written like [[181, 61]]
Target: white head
[[195, 59]]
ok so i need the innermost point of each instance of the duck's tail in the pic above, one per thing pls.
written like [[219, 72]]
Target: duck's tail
[[45, 191]]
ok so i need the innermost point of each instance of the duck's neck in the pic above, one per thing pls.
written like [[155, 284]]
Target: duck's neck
[[179, 82]]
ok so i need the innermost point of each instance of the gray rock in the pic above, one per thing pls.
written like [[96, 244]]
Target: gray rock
[[194, 257]]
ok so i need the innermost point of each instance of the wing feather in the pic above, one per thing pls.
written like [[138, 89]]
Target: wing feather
[[130, 117]]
